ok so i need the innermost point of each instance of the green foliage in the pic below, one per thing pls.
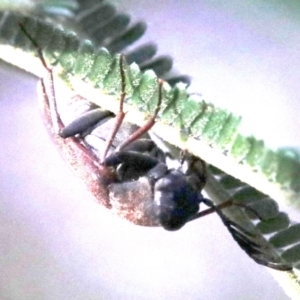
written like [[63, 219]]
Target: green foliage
[[189, 115]]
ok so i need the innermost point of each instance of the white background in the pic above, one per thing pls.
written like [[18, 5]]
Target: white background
[[57, 243]]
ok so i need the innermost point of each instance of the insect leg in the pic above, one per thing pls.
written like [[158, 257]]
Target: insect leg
[[148, 125], [48, 89], [83, 161], [121, 114], [195, 169]]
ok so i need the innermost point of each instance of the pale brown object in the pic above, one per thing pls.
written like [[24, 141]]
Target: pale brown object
[[131, 201]]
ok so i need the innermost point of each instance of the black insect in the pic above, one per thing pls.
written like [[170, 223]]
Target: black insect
[[132, 173]]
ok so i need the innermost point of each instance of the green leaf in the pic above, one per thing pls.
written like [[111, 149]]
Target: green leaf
[[186, 121]]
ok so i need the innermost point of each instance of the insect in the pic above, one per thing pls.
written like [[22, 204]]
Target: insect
[[131, 175]]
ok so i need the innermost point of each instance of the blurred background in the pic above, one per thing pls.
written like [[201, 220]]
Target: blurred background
[[58, 243]]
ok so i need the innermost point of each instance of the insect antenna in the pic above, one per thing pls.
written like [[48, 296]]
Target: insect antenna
[[259, 253]]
